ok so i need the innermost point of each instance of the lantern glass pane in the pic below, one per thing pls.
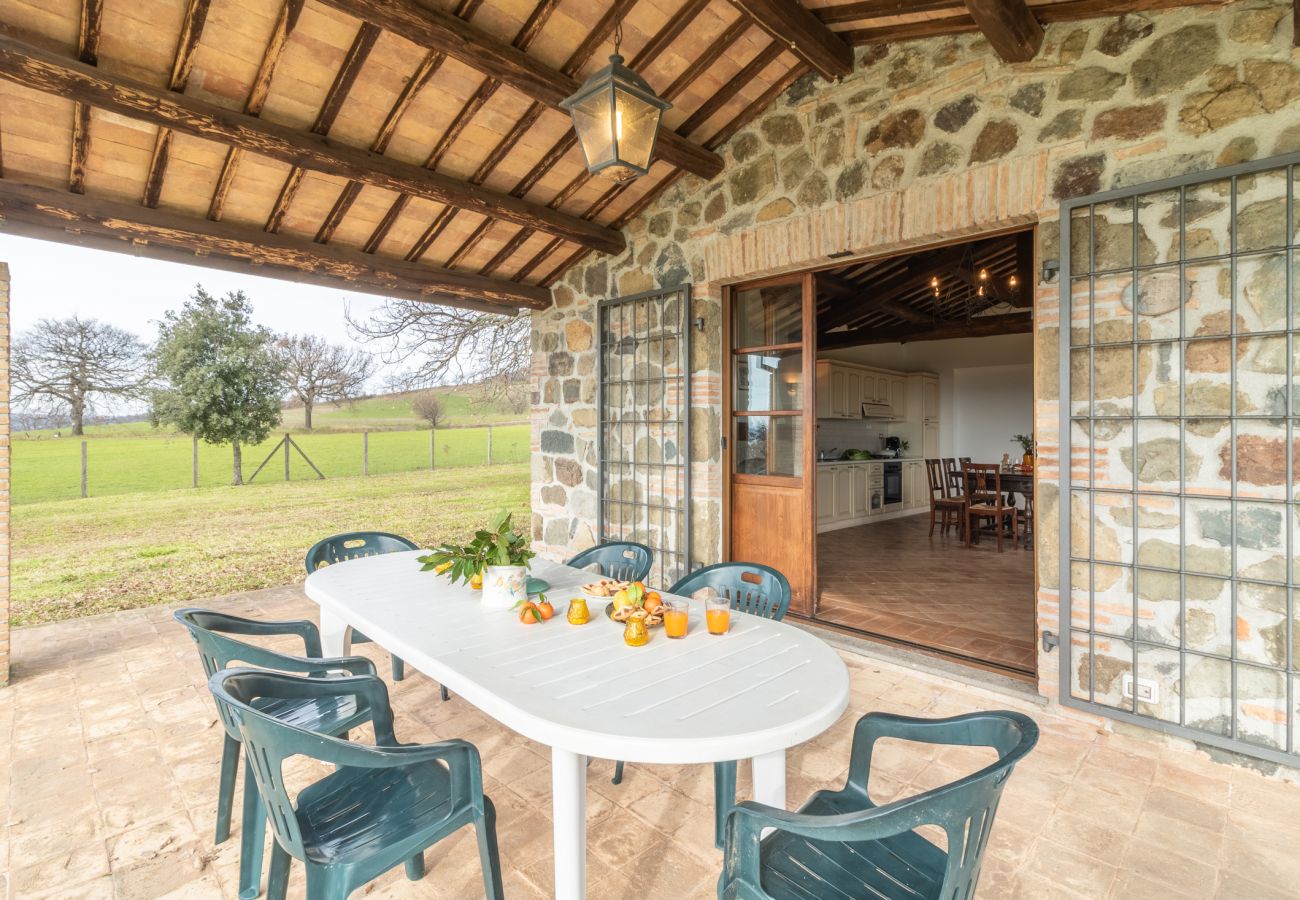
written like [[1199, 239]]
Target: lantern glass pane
[[638, 123], [591, 119]]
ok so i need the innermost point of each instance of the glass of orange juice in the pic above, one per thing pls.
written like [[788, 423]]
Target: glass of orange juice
[[676, 618], [717, 615]]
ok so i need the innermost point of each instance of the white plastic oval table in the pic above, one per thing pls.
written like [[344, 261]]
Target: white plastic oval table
[[752, 693]]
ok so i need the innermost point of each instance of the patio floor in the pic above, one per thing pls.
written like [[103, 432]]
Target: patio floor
[[112, 745]]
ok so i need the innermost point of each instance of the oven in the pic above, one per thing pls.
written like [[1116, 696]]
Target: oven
[[893, 483]]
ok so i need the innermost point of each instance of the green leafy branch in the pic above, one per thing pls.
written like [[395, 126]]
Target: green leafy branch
[[497, 545]]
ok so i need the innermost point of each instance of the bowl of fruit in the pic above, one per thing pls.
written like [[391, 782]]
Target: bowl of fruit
[[633, 598]]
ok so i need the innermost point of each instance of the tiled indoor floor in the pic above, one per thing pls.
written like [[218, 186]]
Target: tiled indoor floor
[[109, 768], [892, 579]]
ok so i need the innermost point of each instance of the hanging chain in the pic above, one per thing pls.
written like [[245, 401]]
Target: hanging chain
[[618, 36]]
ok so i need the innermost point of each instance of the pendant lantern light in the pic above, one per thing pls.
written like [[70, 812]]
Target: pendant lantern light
[[616, 115]]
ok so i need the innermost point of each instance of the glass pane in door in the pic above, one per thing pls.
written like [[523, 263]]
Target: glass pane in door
[[768, 316]]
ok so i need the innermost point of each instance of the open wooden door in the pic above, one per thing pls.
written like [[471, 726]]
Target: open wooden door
[[769, 335]]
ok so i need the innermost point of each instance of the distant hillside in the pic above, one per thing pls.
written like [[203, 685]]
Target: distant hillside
[[463, 405]]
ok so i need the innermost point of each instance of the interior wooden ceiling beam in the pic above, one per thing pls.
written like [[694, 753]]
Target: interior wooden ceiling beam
[[356, 57], [196, 15], [864, 298], [980, 326], [285, 22], [917, 270], [438, 30], [92, 16], [51, 73], [1009, 26], [788, 22], [163, 234]]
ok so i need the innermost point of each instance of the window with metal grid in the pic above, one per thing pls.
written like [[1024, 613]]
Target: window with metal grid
[[1180, 518], [644, 386]]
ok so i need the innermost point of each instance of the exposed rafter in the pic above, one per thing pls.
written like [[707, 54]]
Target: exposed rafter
[[162, 234], [51, 73], [285, 23], [196, 15], [788, 22], [437, 30], [347, 74], [864, 300], [1011, 29], [92, 15]]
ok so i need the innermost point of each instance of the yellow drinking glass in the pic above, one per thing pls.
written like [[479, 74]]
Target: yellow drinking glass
[[677, 618], [717, 615]]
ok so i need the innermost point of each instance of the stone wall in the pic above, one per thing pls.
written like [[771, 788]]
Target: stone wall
[[4, 474], [925, 141]]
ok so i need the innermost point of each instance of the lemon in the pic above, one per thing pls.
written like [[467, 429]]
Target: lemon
[[622, 600]]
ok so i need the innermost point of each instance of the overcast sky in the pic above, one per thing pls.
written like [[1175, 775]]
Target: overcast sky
[[51, 280]]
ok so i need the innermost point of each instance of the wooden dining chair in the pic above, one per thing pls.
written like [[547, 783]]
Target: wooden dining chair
[[952, 477], [985, 500], [949, 510]]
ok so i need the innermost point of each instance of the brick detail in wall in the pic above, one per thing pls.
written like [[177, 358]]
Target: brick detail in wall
[[4, 474]]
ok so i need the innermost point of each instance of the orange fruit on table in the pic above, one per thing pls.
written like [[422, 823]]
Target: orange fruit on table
[[544, 606], [529, 614], [653, 602]]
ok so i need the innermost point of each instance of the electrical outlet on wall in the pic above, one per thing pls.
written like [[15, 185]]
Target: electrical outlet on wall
[[1146, 690]]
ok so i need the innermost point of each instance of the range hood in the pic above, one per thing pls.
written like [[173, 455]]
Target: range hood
[[873, 409]]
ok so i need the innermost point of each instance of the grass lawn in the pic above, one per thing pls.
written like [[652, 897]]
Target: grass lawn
[[80, 557], [50, 469]]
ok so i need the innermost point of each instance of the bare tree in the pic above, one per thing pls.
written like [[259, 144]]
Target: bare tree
[[64, 365], [320, 372], [441, 345], [427, 406]]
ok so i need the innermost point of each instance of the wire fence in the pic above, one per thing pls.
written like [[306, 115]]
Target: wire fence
[[67, 468]]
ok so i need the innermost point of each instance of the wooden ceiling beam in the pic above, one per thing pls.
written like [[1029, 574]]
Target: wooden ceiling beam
[[1009, 26], [484, 92], [51, 73], [789, 23], [864, 298], [437, 30], [881, 9], [980, 326], [285, 23], [362, 44], [196, 15], [731, 88], [163, 234], [92, 17]]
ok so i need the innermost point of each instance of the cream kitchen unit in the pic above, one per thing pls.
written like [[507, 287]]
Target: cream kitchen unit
[[847, 391], [853, 493]]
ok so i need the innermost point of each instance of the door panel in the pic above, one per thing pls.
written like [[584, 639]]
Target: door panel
[[772, 489]]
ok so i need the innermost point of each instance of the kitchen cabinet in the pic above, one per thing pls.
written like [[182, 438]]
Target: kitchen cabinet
[[844, 492], [930, 440], [825, 495], [897, 398], [916, 487], [858, 492], [929, 398], [843, 388]]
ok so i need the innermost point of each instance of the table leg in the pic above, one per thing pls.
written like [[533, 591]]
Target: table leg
[[569, 810], [769, 780], [335, 635]]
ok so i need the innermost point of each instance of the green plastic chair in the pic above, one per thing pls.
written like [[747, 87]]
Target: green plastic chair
[[621, 560], [751, 588], [840, 844], [217, 650], [383, 805], [354, 545]]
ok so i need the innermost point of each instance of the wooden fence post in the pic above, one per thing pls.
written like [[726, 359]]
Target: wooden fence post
[[433, 447], [194, 461], [286, 456], [365, 453], [83, 470], [489, 462]]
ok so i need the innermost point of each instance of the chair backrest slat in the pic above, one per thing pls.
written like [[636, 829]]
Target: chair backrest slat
[[620, 560], [355, 545], [750, 587]]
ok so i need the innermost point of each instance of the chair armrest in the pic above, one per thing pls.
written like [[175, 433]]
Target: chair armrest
[[460, 757], [747, 820]]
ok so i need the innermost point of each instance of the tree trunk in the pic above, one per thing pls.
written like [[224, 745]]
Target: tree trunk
[[306, 414], [77, 412], [239, 463]]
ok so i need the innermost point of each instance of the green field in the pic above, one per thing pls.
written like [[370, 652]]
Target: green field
[[80, 557], [133, 456]]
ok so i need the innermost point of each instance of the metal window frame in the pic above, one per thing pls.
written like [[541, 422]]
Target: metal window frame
[[1291, 251], [682, 468]]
